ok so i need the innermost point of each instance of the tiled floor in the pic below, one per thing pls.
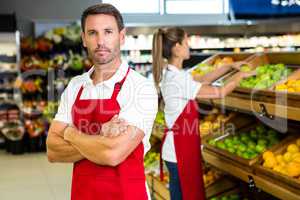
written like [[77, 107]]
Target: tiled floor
[[32, 177]]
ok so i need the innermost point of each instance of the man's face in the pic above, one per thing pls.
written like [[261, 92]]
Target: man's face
[[102, 38]]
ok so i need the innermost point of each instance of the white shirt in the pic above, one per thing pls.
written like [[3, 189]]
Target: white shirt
[[138, 98], [177, 88]]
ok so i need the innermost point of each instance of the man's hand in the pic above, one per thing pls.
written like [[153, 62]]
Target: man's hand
[[114, 127], [69, 133]]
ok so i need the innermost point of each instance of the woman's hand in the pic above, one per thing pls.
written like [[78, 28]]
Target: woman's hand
[[247, 74], [238, 65]]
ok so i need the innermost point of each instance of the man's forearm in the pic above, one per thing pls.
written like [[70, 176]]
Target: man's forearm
[[98, 149], [59, 150]]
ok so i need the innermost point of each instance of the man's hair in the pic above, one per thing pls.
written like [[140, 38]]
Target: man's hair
[[102, 8]]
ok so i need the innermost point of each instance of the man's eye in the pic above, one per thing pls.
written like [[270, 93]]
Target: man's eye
[[108, 31], [92, 33]]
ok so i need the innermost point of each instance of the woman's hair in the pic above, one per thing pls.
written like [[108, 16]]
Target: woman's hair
[[163, 42]]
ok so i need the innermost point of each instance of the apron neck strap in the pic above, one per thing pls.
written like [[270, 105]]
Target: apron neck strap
[[79, 93], [119, 85]]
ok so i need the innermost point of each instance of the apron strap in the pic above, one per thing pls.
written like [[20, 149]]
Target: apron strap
[[119, 85], [79, 93]]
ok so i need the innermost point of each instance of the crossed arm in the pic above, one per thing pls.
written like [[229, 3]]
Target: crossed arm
[[68, 144]]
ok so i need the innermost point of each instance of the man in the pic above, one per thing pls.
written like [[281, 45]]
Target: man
[[105, 116]]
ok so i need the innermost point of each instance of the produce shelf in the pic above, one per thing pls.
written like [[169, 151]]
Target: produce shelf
[[268, 185]]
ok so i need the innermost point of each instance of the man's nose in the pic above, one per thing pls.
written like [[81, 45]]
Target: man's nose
[[100, 40]]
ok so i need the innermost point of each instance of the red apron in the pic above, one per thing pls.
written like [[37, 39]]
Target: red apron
[[188, 152], [93, 182]]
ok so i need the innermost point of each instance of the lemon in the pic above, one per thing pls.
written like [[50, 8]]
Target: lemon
[[290, 83], [291, 90], [293, 148], [287, 157], [284, 171], [277, 168], [295, 155], [281, 87], [293, 169], [267, 154], [279, 159], [270, 162]]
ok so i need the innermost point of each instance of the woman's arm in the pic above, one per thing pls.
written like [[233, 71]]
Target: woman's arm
[[211, 92]]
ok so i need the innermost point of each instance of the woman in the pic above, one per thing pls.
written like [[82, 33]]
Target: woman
[[181, 143]]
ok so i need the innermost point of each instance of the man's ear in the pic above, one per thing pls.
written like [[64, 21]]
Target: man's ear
[[122, 36], [83, 39]]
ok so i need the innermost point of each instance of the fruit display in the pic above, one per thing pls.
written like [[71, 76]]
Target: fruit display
[[59, 34], [289, 86], [151, 162], [50, 110], [286, 162], [41, 44], [34, 127], [202, 68], [160, 118], [266, 76], [213, 121], [32, 86], [33, 107], [250, 144], [33, 62]]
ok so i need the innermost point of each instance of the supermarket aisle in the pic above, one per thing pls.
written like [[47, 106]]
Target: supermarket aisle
[[31, 176]]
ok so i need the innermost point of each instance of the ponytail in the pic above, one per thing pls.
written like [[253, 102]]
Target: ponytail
[[157, 58]]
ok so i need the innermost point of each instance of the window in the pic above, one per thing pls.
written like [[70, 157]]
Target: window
[[196, 6], [136, 6]]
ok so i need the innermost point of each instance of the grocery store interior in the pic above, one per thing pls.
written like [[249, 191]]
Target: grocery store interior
[[250, 139]]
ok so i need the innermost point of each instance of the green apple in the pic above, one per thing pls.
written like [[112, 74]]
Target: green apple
[[260, 148], [212, 142], [242, 147], [262, 142], [228, 141], [239, 153], [245, 138], [251, 144], [221, 145], [231, 150], [246, 155]]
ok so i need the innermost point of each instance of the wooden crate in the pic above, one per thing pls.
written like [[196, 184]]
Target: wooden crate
[[290, 95], [238, 59], [157, 188], [235, 56], [220, 186], [289, 59], [281, 178], [233, 157]]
